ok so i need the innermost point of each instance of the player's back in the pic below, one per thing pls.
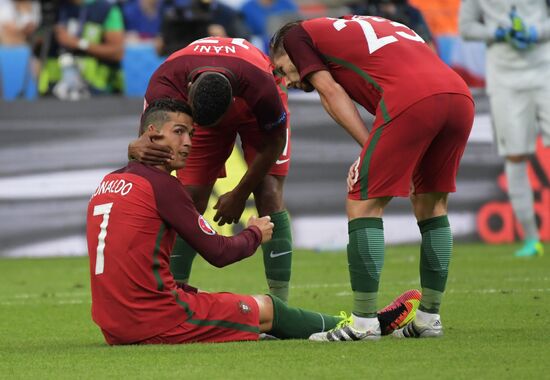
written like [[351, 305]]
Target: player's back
[[128, 246], [235, 57], [381, 63]]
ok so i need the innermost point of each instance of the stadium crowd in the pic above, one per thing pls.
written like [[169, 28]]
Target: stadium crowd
[[78, 45]]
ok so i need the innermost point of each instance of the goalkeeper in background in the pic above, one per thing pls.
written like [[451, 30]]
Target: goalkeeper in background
[[517, 34]]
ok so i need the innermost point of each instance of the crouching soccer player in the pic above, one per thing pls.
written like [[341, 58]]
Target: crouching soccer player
[[132, 221]]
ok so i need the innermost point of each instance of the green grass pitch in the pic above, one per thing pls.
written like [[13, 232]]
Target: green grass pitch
[[496, 315]]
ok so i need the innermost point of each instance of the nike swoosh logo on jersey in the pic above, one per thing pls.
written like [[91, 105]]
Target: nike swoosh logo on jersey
[[274, 255], [280, 162], [175, 255]]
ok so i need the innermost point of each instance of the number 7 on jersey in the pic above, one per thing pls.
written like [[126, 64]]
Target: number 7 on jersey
[[105, 210]]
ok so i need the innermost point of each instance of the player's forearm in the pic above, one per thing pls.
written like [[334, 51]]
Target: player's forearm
[[221, 251], [109, 52], [344, 112], [262, 163]]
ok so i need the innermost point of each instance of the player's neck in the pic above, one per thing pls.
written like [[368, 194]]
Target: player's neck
[[165, 168]]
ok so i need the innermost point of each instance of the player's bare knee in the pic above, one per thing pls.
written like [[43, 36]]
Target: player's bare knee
[[265, 306], [429, 205], [369, 208]]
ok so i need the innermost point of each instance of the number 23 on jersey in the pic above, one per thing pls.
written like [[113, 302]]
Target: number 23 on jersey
[[375, 42]]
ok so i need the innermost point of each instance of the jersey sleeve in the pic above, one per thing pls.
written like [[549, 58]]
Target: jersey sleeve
[[262, 96], [299, 47], [176, 208]]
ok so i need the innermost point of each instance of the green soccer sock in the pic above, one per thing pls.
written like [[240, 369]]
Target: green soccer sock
[[435, 255], [365, 260], [278, 256], [181, 260], [294, 323]]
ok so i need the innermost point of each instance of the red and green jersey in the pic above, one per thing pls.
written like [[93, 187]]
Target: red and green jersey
[[382, 65], [132, 221], [247, 68]]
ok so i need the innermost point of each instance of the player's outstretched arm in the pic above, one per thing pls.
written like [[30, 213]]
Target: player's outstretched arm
[[146, 151], [339, 105], [231, 205]]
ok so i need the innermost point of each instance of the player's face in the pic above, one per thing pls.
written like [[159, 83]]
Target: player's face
[[286, 68], [176, 134]]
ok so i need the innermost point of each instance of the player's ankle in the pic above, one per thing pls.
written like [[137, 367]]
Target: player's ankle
[[365, 323]]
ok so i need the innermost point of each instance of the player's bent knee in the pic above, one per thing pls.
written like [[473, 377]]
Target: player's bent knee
[[429, 205], [265, 306], [369, 208]]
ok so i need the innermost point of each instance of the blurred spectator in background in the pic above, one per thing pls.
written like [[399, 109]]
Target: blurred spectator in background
[[141, 20], [18, 21], [440, 15], [184, 21], [89, 41], [518, 84], [264, 17], [396, 10]]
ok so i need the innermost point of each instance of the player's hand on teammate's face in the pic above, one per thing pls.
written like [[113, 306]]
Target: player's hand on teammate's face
[[264, 224], [145, 149], [229, 208], [353, 174]]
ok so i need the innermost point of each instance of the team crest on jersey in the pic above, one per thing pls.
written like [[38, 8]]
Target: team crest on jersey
[[205, 227], [244, 308]]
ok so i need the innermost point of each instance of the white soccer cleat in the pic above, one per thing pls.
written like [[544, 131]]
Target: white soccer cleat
[[344, 331], [425, 325]]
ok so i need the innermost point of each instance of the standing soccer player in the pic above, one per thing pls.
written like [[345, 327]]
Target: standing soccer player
[[132, 221], [231, 87], [423, 117]]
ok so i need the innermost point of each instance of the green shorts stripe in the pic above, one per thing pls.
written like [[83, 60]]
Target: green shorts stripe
[[364, 175], [226, 324], [363, 74]]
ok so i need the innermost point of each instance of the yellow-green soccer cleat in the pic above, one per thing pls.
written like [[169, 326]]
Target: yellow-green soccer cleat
[[531, 248], [400, 312], [344, 331]]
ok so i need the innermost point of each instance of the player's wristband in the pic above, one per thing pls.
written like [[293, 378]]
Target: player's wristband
[[83, 44]]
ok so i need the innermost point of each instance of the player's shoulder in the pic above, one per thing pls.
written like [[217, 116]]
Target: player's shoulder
[[149, 174]]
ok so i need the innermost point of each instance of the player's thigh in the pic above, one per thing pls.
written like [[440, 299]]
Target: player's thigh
[[389, 157], [514, 120], [253, 138], [215, 318], [542, 100], [211, 147], [437, 169]]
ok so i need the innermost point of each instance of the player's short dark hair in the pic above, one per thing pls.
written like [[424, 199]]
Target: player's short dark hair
[[210, 97], [156, 113], [276, 42]]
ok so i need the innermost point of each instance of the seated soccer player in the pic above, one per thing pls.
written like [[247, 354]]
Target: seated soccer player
[[133, 218]]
